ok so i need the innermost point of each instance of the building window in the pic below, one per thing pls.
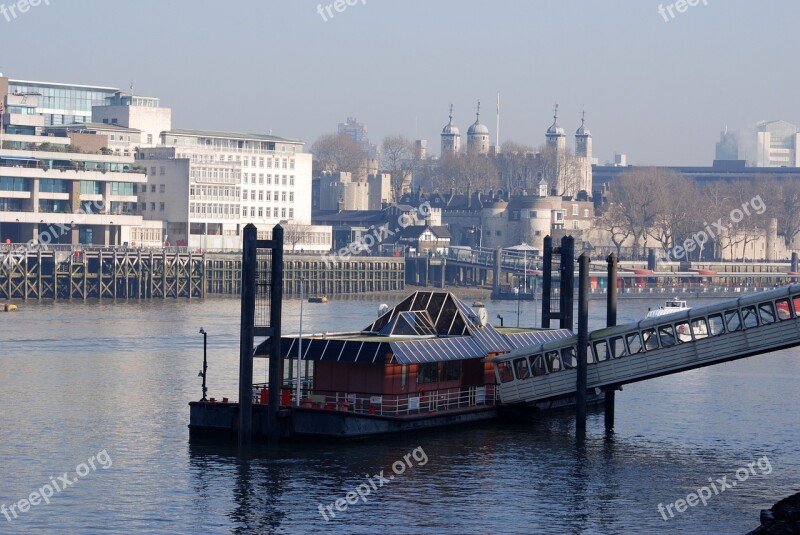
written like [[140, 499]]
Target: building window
[[252, 194], [574, 209], [283, 180], [161, 206], [269, 179], [291, 196], [252, 211], [261, 178], [260, 212], [153, 206], [291, 213], [283, 196], [291, 180], [269, 163], [291, 163], [152, 188], [261, 162], [163, 170], [153, 171], [585, 212], [260, 195], [144, 207], [428, 373], [149, 138], [162, 188], [498, 233], [283, 212], [144, 188], [268, 195]]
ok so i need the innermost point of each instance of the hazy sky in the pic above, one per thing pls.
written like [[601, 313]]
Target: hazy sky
[[658, 91]]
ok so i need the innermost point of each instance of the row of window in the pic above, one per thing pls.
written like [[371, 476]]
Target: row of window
[[143, 207], [218, 210], [267, 195], [213, 191], [650, 339], [250, 178], [162, 188], [266, 211], [245, 161]]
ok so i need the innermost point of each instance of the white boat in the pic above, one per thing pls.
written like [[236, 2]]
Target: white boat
[[677, 305], [669, 307]]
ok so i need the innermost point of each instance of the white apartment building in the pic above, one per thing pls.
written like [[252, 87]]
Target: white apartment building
[[206, 186]]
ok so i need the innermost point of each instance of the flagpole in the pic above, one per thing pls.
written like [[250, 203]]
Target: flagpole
[[497, 129]]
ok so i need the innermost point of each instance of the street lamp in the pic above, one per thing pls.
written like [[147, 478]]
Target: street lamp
[[205, 362]]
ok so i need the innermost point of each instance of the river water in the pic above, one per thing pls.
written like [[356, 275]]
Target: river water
[[110, 382]]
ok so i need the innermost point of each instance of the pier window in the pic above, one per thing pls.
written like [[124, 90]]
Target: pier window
[[618, 347], [429, 373], [683, 331], [539, 368], [634, 343], [783, 308], [749, 317], [649, 339], [767, 313], [553, 361], [503, 369], [568, 357], [451, 370], [699, 328], [601, 350], [667, 335], [716, 325], [521, 369]]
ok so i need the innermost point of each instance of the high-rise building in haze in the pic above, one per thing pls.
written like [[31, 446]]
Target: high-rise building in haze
[[765, 144]]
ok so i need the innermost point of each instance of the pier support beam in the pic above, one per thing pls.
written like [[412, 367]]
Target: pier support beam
[[275, 313], [498, 269], [246, 336], [583, 341], [611, 320]]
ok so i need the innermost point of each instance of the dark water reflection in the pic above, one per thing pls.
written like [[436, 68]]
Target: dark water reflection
[[79, 378]]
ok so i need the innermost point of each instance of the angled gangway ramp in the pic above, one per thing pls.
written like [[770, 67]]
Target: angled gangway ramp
[[688, 339]]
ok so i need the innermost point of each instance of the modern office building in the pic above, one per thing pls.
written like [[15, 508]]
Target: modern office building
[[61, 104], [206, 186], [49, 194]]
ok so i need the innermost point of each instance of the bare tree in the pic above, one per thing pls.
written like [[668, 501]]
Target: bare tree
[[677, 208], [397, 152], [614, 222], [515, 166], [466, 173], [561, 172], [294, 233], [334, 153], [636, 193]]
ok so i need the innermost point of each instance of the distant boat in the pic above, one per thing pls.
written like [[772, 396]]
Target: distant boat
[[669, 307], [321, 299]]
